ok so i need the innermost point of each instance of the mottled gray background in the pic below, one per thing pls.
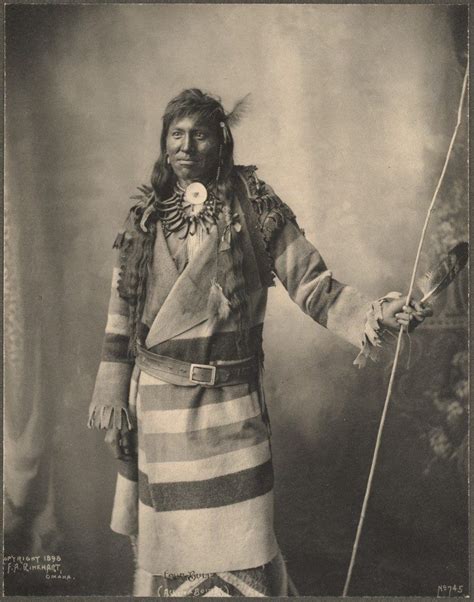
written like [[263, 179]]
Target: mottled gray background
[[352, 111]]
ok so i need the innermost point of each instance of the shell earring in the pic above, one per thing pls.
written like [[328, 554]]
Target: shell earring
[[167, 160]]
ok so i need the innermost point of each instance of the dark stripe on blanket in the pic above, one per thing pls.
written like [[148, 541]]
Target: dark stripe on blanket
[[205, 443], [210, 493], [128, 469], [174, 397], [201, 350], [299, 265], [144, 489], [283, 239], [325, 295], [115, 348]]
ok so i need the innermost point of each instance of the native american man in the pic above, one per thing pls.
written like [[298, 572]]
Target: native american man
[[179, 387]]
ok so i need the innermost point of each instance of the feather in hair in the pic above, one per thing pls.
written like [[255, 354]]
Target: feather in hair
[[438, 278], [239, 110]]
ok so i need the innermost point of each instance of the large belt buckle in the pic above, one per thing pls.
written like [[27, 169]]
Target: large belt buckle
[[212, 370]]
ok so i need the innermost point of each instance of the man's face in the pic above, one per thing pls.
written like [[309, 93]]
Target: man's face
[[193, 149]]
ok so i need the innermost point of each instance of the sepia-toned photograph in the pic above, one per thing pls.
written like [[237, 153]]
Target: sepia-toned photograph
[[236, 300]]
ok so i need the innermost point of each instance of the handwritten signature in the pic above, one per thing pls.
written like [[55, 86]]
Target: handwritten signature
[[49, 564]]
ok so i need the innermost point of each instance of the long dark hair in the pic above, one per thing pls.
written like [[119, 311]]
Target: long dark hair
[[208, 109]]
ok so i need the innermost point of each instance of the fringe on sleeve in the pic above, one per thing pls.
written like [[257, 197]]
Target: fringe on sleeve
[[109, 416], [373, 336]]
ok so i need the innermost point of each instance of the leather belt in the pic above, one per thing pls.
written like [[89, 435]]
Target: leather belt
[[186, 374]]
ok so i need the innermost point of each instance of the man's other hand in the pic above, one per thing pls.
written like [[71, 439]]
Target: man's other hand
[[122, 443]]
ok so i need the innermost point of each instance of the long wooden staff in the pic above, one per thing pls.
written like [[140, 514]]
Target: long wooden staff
[[399, 341]]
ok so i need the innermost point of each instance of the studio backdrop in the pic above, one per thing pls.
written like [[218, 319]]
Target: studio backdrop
[[352, 109]]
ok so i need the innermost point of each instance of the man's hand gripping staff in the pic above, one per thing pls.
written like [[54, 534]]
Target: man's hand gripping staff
[[443, 275]]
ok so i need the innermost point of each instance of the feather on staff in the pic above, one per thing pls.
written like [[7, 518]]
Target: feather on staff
[[437, 279], [399, 341]]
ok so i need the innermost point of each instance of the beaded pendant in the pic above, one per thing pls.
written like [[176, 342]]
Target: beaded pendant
[[173, 214]]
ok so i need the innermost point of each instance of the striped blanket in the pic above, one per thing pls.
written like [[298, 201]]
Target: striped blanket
[[201, 498], [204, 470]]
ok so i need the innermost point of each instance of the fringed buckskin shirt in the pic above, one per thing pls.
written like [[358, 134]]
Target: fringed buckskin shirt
[[200, 497]]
